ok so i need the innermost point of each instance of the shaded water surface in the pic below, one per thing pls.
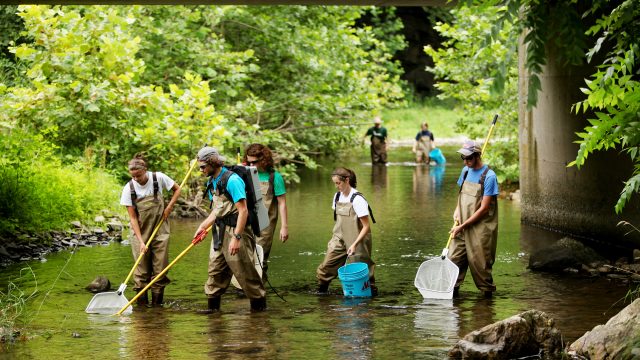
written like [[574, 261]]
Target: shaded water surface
[[413, 207]]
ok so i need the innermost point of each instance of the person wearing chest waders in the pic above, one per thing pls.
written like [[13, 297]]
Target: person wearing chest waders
[[475, 233], [351, 231], [143, 198], [379, 145], [233, 246], [273, 195], [424, 144]]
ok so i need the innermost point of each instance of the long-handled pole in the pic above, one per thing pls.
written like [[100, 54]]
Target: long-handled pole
[[153, 234], [195, 241]]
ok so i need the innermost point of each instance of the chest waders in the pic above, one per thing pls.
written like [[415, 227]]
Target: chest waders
[[345, 232], [223, 265], [475, 247], [423, 148], [378, 150], [149, 210], [265, 239]]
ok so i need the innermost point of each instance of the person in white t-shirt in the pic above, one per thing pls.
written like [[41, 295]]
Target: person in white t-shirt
[[351, 233], [143, 198]]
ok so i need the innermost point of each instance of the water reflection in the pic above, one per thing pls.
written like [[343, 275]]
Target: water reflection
[[151, 337], [241, 335], [379, 176], [438, 321], [427, 181], [475, 313], [353, 329]]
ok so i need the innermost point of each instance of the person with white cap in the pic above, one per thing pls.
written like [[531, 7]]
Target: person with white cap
[[379, 144], [475, 233], [233, 242]]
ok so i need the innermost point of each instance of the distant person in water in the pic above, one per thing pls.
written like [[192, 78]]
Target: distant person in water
[[475, 233], [424, 144], [351, 231], [145, 205], [273, 195], [379, 144]]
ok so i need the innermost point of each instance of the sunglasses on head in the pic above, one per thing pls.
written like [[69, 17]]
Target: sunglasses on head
[[470, 157]]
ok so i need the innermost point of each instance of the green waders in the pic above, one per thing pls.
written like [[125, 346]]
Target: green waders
[[345, 232], [475, 247], [265, 239], [156, 258], [222, 265]]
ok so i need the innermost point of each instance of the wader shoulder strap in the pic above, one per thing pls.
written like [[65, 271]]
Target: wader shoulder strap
[[272, 186], [134, 197], [155, 186], [335, 204], [464, 178], [370, 211], [221, 185]]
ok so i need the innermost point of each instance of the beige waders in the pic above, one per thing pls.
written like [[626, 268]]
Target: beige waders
[[378, 150], [266, 235], [475, 247], [222, 265], [345, 232], [423, 148], [150, 209]]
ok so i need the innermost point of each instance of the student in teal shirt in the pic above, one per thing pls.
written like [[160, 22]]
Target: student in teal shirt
[[273, 195]]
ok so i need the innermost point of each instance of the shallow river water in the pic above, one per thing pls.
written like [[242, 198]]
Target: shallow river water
[[413, 208]]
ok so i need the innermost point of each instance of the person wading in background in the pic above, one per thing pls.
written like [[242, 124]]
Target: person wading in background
[[379, 144], [424, 144], [273, 195], [475, 234], [143, 198]]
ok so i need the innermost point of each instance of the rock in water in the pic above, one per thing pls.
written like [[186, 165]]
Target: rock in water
[[99, 284]]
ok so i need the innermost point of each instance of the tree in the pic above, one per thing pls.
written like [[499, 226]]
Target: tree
[[477, 66]]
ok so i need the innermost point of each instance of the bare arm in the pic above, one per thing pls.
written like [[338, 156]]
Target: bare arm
[[284, 221], [363, 232], [135, 226], [176, 193]]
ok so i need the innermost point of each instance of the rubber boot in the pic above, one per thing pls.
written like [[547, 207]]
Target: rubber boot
[[258, 305], [143, 300], [213, 305], [157, 298], [374, 290], [323, 288]]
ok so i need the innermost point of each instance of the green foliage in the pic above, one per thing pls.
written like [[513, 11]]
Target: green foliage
[[613, 91], [11, 27], [13, 303], [39, 194], [477, 67]]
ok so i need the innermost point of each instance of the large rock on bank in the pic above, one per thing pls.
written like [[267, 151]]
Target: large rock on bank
[[565, 253], [526, 334], [619, 338]]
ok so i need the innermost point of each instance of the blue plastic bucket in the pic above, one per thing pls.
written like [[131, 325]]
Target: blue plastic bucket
[[436, 155], [355, 279]]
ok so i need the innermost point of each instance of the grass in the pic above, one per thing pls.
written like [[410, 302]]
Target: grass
[[404, 123]]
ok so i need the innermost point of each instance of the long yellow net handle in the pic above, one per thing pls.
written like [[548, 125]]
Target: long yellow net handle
[[153, 234], [199, 237]]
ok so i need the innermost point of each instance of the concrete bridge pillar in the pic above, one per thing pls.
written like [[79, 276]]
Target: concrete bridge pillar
[[557, 197]]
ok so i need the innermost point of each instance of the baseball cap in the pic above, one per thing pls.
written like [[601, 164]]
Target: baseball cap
[[469, 147]]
